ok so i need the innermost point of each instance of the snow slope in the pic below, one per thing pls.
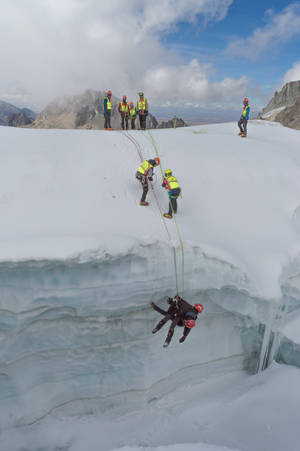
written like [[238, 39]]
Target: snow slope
[[80, 261]]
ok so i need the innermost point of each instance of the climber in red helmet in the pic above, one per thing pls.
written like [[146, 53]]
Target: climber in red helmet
[[242, 123], [123, 109], [181, 313]]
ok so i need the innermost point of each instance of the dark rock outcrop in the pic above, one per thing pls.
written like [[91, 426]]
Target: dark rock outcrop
[[18, 120], [284, 107], [173, 123]]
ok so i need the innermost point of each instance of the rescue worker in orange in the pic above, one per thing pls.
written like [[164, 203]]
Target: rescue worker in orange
[[171, 184], [142, 109], [123, 109]]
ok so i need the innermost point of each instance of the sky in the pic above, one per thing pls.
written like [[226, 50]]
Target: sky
[[198, 57]]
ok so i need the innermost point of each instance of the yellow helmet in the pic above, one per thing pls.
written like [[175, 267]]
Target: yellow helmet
[[168, 172]]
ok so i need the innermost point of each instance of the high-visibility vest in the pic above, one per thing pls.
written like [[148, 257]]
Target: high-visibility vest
[[171, 182], [246, 111], [108, 104], [141, 104], [132, 111], [124, 107], [144, 168]]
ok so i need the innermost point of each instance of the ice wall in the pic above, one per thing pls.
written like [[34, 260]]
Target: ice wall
[[76, 334]]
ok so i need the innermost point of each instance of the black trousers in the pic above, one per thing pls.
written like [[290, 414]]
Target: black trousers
[[242, 123], [173, 201], [142, 118], [124, 122], [144, 183], [133, 123], [107, 117]]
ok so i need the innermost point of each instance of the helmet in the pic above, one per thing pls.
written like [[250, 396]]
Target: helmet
[[190, 323], [141, 94], [198, 307], [108, 93], [157, 161], [124, 98], [245, 101], [168, 172], [130, 103]]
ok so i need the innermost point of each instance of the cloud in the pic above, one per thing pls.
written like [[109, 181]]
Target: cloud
[[293, 74], [54, 47], [279, 30]]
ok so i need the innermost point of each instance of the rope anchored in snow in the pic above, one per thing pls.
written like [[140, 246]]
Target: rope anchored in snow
[[139, 151]]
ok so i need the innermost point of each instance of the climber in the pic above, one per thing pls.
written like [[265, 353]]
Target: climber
[[242, 123], [132, 114], [181, 313], [171, 184], [142, 109], [145, 173], [107, 110], [123, 109]]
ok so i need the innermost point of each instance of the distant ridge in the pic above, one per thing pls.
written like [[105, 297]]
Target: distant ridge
[[9, 111], [284, 107]]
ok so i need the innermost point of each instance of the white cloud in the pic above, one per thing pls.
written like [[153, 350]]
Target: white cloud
[[293, 74], [55, 47], [279, 29]]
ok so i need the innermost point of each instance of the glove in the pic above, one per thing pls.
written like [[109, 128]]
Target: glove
[[181, 340], [150, 178]]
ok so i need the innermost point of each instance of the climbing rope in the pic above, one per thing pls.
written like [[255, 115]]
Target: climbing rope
[[139, 151], [177, 228]]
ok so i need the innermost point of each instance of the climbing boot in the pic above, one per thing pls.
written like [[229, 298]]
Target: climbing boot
[[166, 215], [155, 330], [144, 203], [166, 344]]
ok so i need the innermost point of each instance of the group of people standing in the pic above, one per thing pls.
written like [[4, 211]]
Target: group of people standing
[[128, 111]]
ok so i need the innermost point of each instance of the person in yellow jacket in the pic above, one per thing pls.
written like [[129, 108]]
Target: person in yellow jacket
[[145, 173], [171, 184], [123, 109], [242, 123], [132, 114], [142, 109]]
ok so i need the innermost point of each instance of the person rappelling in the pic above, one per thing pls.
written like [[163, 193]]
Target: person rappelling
[[242, 123], [171, 184], [145, 173], [181, 313]]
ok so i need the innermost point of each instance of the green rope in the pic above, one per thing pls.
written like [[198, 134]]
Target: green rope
[[177, 228]]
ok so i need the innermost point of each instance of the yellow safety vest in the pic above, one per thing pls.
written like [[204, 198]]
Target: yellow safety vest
[[141, 104], [245, 109], [124, 107], [132, 111], [144, 167], [172, 182], [108, 104]]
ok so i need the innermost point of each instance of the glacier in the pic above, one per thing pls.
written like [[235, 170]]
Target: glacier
[[80, 263]]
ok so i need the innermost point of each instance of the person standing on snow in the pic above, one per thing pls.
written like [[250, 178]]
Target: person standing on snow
[[145, 173], [142, 109], [123, 109], [171, 184], [132, 114], [107, 110], [242, 123], [181, 313]]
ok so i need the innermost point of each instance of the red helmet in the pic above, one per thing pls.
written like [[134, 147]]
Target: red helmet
[[130, 103], [245, 101], [157, 161], [199, 307], [108, 93], [124, 98], [189, 323]]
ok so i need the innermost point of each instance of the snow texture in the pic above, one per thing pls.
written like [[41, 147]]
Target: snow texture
[[80, 261]]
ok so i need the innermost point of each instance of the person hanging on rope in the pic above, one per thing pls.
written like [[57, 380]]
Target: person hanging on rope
[[171, 184], [181, 313], [145, 173]]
